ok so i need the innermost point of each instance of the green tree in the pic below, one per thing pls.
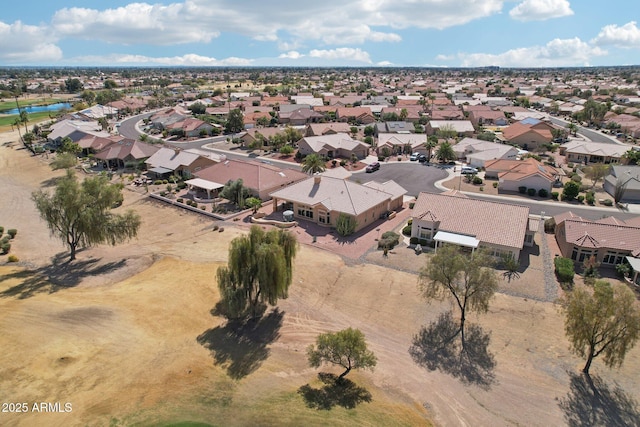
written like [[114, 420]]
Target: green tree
[[346, 348], [235, 121], [110, 84], [313, 163], [468, 279], [235, 192], [445, 152], [68, 146], [432, 142], [198, 108], [80, 213], [605, 322], [88, 96], [73, 85], [346, 224], [24, 119], [632, 156], [286, 150], [259, 271], [573, 128], [447, 132], [571, 190], [64, 161], [254, 203]]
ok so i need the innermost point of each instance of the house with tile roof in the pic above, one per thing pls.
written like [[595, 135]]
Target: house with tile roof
[[529, 134], [478, 153], [299, 116], [126, 152], [628, 177], [360, 115], [398, 143], [339, 145], [75, 130], [513, 174], [578, 151], [177, 162], [317, 129], [609, 239], [462, 127], [260, 178], [454, 218], [322, 199], [191, 127]]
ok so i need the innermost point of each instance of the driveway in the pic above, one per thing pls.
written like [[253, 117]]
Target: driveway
[[412, 176]]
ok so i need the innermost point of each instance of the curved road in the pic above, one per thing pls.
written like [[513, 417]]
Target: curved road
[[415, 177]]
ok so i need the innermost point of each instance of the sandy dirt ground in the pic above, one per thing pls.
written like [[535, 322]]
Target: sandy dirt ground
[[123, 339]]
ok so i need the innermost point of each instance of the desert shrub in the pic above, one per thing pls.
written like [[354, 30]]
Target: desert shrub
[[1, 230], [413, 241], [607, 202], [623, 269], [406, 230], [180, 200], [157, 182], [580, 198], [215, 227], [4, 240], [13, 258], [411, 205], [575, 177], [584, 188], [203, 207], [550, 225], [554, 195], [381, 158], [410, 221], [12, 232], [531, 191], [220, 230], [590, 198], [522, 189], [181, 185], [543, 192], [481, 188], [165, 181], [5, 248], [424, 242], [163, 193], [389, 240], [564, 269], [477, 180], [495, 185], [346, 224]]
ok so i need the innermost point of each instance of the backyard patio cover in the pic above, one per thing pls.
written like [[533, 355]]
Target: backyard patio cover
[[456, 239], [204, 184], [160, 170]]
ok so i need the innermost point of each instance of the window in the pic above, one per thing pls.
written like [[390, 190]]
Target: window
[[305, 211], [580, 254], [612, 257]]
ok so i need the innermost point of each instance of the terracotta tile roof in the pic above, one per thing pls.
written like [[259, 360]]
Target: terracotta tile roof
[[602, 235], [516, 170], [489, 221], [255, 175], [334, 194], [127, 147]]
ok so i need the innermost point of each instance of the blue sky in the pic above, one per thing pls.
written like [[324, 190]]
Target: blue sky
[[433, 33]]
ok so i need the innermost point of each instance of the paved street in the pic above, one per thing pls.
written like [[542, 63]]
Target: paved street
[[412, 176]]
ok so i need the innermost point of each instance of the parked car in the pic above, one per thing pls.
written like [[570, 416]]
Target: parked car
[[468, 170], [422, 158], [372, 167], [415, 156]]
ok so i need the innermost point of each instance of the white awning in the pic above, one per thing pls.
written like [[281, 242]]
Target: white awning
[[634, 262], [204, 184], [456, 239]]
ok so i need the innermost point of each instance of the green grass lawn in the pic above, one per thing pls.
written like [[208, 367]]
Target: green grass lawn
[[7, 121], [10, 104]]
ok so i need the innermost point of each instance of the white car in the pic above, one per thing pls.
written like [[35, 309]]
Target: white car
[[468, 170]]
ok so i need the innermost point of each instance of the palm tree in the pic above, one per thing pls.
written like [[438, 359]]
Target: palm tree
[[432, 142], [312, 164], [16, 123], [573, 128], [445, 152], [24, 118], [511, 266]]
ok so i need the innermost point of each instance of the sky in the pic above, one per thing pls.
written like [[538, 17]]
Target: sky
[[331, 33]]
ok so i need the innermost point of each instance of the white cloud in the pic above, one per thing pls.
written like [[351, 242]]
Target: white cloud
[[291, 55], [135, 23], [384, 64], [184, 60], [540, 10], [27, 44], [627, 36], [333, 22], [556, 53], [341, 53]]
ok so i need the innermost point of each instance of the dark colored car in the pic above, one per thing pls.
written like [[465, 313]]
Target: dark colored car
[[372, 167], [422, 158]]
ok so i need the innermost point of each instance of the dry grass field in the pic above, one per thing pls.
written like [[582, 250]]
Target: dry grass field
[[127, 336]]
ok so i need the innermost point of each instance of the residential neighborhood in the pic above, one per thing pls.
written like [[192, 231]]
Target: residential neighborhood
[[373, 173]]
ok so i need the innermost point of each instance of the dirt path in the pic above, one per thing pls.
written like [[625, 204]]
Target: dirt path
[[122, 339]]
